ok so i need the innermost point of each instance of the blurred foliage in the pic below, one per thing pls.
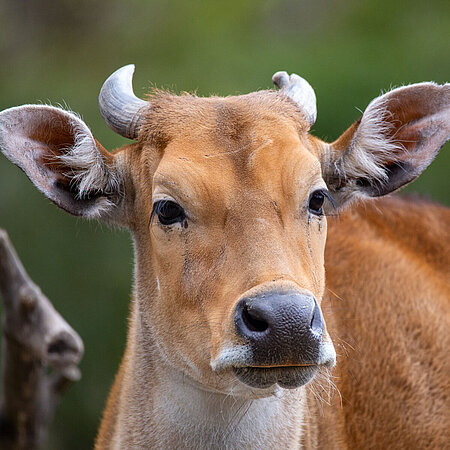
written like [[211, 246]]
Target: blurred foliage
[[60, 51]]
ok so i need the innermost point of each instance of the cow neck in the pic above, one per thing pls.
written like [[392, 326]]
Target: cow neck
[[183, 414]]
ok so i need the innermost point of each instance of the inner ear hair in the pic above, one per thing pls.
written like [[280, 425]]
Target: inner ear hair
[[85, 171], [57, 151], [362, 162], [397, 137]]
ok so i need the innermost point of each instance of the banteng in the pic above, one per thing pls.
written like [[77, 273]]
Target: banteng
[[227, 201]]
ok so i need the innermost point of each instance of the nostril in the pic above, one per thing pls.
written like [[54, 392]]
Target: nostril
[[316, 320], [253, 320]]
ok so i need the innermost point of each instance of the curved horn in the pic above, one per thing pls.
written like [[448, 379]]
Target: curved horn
[[300, 91], [120, 108]]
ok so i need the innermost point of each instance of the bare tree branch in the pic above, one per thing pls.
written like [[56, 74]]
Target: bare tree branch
[[35, 338]]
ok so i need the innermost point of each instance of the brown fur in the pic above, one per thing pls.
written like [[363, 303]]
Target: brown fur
[[244, 168], [389, 315], [381, 270]]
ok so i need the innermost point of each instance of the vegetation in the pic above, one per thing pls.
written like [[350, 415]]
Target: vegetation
[[61, 52]]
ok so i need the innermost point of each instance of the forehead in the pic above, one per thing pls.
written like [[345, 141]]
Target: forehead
[[229, 120], [253, 139]]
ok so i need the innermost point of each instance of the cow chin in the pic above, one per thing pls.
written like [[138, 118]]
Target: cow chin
[[288, 377], [264, 375]]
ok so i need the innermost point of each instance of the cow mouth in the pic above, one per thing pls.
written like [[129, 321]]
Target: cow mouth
[[289, 377]]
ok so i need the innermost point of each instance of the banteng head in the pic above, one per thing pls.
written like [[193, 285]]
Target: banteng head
[[226, 199]]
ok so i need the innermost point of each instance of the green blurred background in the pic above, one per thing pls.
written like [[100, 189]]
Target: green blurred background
[[60, 51]]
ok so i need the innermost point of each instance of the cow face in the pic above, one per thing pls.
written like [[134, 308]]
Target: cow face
[[226, 199], [230, 233]]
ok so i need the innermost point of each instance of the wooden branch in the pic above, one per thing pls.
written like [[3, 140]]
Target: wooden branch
[[35, 338]]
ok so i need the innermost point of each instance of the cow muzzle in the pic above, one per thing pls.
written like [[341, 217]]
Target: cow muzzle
[[284, 340]]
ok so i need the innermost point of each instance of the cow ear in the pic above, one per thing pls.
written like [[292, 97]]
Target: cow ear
[[58, 153], [397, 137]]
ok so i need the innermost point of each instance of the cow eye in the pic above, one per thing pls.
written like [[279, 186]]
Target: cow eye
[[168, 212], [316, 202]]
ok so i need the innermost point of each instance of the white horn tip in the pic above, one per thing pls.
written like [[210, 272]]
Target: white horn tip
[[300, 91], [280, 79], [129, 68], [124, 76], [119, 106]]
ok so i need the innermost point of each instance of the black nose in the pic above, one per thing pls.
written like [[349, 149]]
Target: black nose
[[281, 328]]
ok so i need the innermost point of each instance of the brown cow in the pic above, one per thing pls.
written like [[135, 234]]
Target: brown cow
[[226, 199]]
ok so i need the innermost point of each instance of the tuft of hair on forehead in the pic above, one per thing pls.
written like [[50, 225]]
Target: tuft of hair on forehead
[[171, 115]]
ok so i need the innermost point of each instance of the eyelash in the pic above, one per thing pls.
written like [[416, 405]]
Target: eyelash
[[326, 196], [168, 212]]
